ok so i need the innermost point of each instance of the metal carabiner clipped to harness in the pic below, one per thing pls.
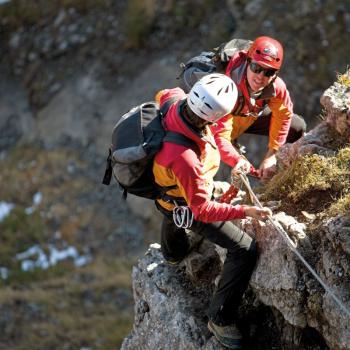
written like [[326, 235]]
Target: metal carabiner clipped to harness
[[182, 216]]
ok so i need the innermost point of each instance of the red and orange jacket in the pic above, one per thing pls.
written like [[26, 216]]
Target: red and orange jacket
[[191, 173], [275, 96]]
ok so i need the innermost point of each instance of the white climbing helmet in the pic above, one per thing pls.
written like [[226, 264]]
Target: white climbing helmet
[[212, 97]]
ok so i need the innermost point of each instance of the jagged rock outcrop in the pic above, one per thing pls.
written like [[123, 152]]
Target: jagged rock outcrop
[[170, 302], [333, 131]]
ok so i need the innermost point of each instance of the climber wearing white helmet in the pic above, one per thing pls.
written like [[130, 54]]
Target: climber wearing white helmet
[[187, 174], [212, 97]]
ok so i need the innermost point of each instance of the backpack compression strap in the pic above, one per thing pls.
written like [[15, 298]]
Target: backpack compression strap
[[165, 106], [180, 139]]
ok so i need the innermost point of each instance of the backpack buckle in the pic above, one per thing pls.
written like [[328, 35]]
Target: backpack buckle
[[108, 172]]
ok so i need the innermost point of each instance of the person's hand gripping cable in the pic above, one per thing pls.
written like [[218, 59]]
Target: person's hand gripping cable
[[243, 168]]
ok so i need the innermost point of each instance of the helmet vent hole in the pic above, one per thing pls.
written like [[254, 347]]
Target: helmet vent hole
[[226, 90], [196, 93], [204, 113], [208, 105], [219, 92]]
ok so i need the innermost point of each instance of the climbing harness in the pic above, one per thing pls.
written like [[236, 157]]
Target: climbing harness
[[293, 246], [182, 216]]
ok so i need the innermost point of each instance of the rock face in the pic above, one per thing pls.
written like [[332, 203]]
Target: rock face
[[170, 302], [334, 129], [75, 68], [169, 307]]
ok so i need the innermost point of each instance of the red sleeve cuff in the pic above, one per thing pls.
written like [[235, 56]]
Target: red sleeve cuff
[[240, 214]]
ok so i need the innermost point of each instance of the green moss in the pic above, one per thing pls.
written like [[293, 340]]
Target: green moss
[[344, 79], [313, 181], [339, 207]]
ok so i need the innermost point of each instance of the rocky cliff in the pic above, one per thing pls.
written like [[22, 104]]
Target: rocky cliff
[[285, 307], [68, 70]]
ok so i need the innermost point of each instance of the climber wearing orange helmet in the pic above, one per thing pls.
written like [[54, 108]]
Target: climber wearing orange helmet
[[263, 107]]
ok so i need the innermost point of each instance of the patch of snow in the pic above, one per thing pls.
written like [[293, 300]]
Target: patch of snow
[[29, 210], [151, 267], [44, 261], [155, 245], [82, 260], [37, 198], [4, 273], [5, 209]]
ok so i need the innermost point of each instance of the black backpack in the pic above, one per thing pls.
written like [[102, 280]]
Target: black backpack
[[209, 62], [136, 138]]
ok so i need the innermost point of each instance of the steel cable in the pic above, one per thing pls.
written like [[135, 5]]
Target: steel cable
[[293, 247]]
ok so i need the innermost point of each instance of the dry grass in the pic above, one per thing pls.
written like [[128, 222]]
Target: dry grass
[[344, 79], [63, 307], [26, 170], [17, 13], [142, 17], [317, 183], [29, 170], [88, 307], [138, 19]]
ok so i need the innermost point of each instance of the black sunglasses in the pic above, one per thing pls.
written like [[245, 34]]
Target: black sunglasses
[[255, 68]]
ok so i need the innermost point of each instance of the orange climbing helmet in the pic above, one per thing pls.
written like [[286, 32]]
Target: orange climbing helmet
[[267, 52]]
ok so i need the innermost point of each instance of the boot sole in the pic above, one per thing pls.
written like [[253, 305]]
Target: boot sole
[[229, 343]]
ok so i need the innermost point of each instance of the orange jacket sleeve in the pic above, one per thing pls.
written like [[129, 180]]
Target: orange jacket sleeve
[[282, 111]]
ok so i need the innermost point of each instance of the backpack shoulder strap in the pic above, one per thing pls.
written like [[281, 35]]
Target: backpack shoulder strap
[[180, 139], [165, 107]]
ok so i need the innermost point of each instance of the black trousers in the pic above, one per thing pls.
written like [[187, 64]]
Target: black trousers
[[262, 126], [238, 266]]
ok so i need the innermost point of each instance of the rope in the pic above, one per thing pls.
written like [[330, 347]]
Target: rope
[[293, 247]]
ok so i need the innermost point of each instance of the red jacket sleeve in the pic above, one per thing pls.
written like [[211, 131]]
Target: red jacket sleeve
[[222, 134], [194, 188]]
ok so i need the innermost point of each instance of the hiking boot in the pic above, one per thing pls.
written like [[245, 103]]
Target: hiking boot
[[229, 336]]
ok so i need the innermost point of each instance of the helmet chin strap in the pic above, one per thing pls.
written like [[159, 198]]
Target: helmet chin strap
[[193, 119]]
